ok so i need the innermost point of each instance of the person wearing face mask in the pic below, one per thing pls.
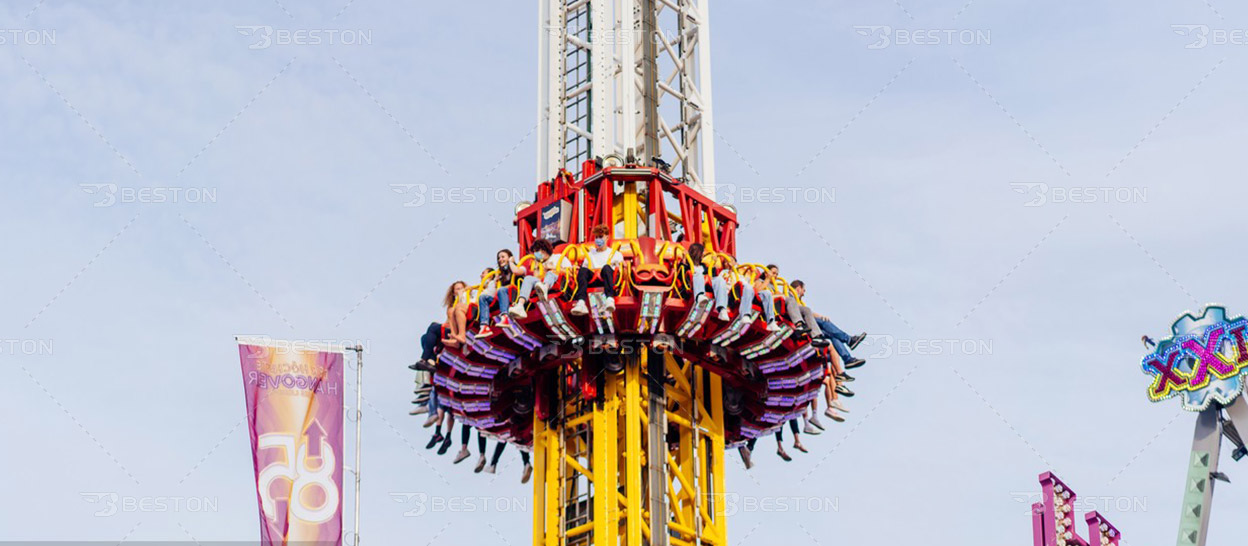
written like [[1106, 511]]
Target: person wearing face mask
[[551, 263], [507, 267], [602, 260]]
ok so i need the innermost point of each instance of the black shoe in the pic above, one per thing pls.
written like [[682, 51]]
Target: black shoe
[[433, 441], [845, 377], [426, 365], [446, 443], [820, 342], [801, 327], [855, 363], [844, 391], [856, 340]]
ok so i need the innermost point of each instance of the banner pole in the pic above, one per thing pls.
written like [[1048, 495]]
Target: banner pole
[[359, 416]]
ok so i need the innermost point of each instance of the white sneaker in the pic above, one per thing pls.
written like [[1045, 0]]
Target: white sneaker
[[811, 430], [836, 404], [419, 410], [773, 326], [701, 298], [609, 306], [517, 311], [463, 454], [541, 291], [814, 420], [723, 315], [490, 469], [580, 309]]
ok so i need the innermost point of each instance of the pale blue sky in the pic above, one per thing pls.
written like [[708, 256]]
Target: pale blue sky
[[303, 146]]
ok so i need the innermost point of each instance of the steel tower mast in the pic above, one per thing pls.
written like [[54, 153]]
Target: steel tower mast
[[629, 78]]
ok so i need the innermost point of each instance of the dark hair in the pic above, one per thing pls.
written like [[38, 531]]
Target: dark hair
[[600, 229], [507, 250], [543, 245], [773, 266], [695, 252], [797, 284]]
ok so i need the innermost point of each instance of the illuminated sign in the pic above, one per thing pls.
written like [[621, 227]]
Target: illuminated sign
[[1203, 361]]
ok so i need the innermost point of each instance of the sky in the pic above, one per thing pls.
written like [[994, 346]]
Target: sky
[[1004, 194]]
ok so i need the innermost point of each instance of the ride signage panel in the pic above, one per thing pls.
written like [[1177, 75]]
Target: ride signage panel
[[294, 409], [1202, 362]]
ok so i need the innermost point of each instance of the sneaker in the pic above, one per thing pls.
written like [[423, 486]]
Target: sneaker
[[419, 410], [491, 469], [820, 342], [844, 391], [854, 363], [504, 322], [829, 413], [836, 404], [580, 309], [811, 430], [433, 441], [609, 306], [836, 418], [701, 298], [856, 340], [845, 377], [446, 445], [542, 291], [801, 327], [517, 311], [814, 420], [527, 473], [433, 418], [480, 464], [746, 457], [463, 454], [773, 326], [723, 315], [783, 455], [484, 332]]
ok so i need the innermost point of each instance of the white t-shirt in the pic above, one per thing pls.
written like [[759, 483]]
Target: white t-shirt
[[596, 259], [556, 261]]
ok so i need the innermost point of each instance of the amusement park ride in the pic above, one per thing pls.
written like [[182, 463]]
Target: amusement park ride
[[629, 412]]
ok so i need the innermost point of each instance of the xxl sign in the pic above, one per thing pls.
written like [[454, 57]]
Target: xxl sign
[[1202, 362]]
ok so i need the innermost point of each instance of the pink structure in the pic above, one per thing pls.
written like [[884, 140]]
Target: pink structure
[[1052, 519]]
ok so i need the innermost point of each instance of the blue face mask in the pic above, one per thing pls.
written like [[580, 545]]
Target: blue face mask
[[601, 242], [541, 256]]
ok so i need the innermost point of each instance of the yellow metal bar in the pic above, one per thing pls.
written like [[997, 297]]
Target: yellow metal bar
[[540, 507], [632, 453], [630, 210], [554, 485], [577, 466], [715, 482]]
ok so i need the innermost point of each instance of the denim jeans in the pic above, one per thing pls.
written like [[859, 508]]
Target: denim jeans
[[769, 305], [720, 288], [487, 298], [838, 336], [699, 281], [526, 286], [431, 341]]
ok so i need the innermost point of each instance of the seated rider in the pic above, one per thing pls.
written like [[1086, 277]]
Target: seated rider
[[803, 318], [598, 269], [721, 284], [763, 286], [507, 267], [550, 263], [700, 269]]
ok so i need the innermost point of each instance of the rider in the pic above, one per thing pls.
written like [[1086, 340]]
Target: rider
[[507, 267], [600, 259], [549, 262]]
